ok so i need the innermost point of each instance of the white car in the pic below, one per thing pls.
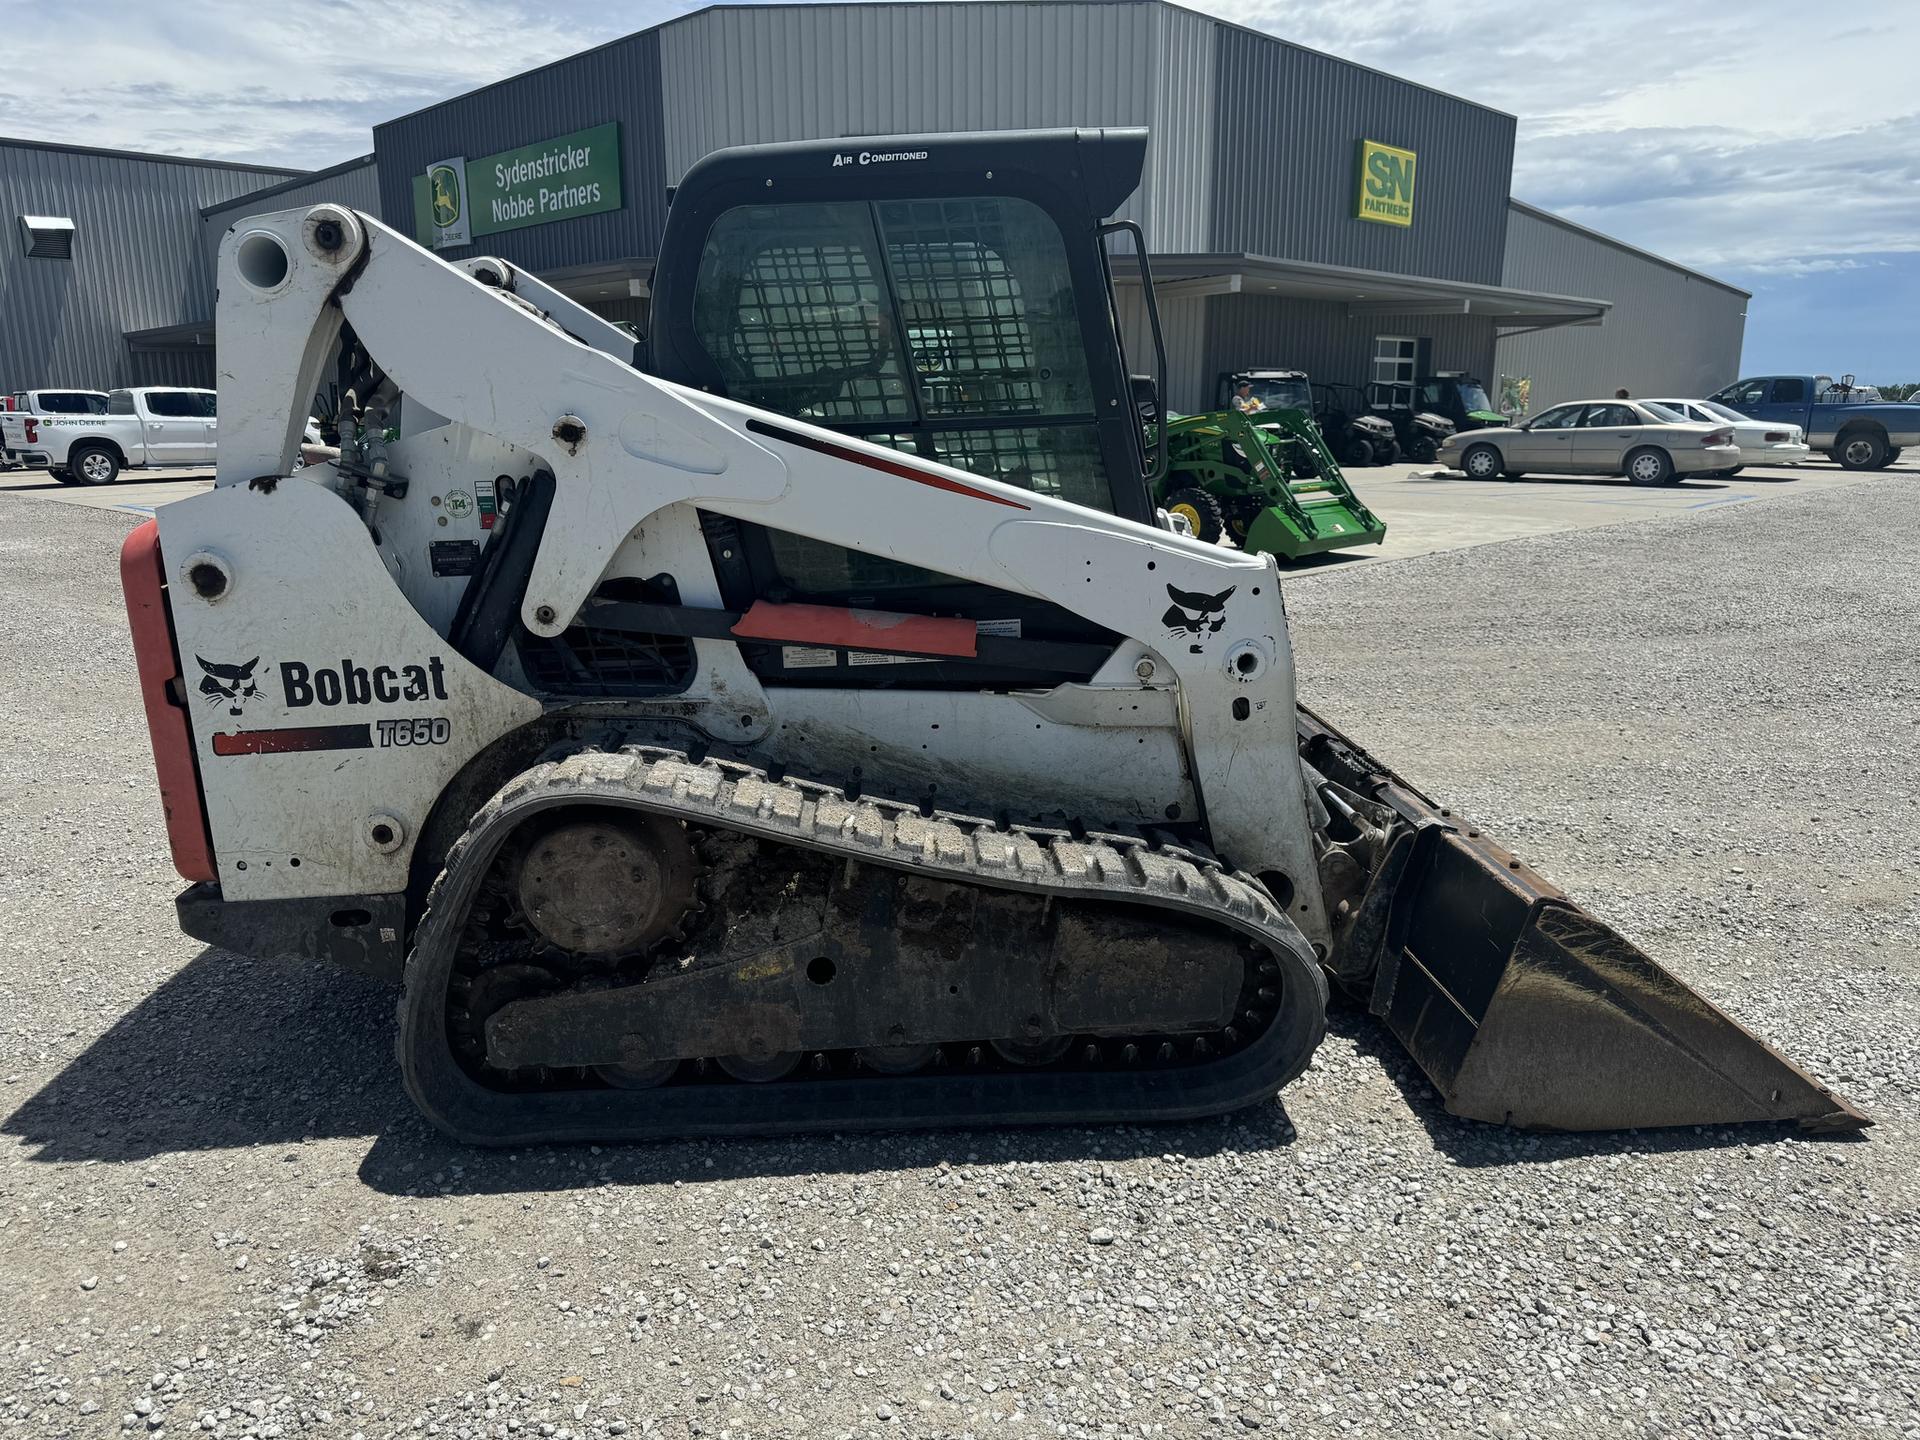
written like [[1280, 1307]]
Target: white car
[[1761, 442]]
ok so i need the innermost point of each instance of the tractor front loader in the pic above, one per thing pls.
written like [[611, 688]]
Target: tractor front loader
[[754, 735], [1267, 479]]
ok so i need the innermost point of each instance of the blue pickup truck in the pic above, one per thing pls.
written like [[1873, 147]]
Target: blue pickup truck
[[1849, 422]]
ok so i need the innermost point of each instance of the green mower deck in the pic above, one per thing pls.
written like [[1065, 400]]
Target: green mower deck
[[1274, 483]]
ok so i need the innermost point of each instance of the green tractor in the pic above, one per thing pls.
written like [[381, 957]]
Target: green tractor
[[1267, 479]]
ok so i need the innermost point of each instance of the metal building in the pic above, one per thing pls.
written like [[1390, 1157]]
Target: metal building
[[1675, 331], [1252, 201], [1300, 211], [104, 248]]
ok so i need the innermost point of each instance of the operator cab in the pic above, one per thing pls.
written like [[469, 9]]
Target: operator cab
[[1274, 389], [948, 296]]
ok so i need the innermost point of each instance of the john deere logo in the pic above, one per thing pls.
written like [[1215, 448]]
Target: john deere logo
[[446, 196], [1385, 191]]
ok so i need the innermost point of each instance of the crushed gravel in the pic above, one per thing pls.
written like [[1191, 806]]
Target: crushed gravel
[[219, 1217]]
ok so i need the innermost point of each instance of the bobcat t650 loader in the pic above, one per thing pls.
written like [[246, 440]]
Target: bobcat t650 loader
[[807, 724]]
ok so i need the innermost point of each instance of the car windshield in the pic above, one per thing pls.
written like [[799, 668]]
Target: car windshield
[[1281, 394], [1666, 416], [1473, 396], [1725, 412]]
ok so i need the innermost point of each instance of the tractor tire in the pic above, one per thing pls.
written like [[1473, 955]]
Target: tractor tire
[[1387, 453], [1356, 453], [93, 464], [1651, 465], [1423, 451], [1201, 511], [1482, 462], [1861, 450]]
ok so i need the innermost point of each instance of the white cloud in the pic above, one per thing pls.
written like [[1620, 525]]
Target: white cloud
[[299, 86], [1767, 143]]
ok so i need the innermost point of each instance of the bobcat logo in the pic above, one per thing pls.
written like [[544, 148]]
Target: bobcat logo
[[1195, 614], [228, 684]]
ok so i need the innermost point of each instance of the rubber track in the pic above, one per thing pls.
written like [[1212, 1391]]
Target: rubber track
[[1134, 868]]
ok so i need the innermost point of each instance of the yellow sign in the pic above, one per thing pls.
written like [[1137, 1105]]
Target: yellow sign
[[1384, 190]]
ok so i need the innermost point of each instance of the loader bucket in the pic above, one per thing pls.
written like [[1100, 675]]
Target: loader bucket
[[1339, 522], [1523, 1009]]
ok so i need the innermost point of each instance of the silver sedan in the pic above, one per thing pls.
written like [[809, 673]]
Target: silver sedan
[[1647, 443]]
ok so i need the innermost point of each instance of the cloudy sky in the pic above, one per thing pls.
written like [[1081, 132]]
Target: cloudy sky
[[1776, 145]]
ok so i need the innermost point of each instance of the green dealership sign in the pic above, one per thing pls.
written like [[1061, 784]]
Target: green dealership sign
[[457, 201]]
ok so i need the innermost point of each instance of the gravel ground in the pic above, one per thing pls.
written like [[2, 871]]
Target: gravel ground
[[219, 1216]]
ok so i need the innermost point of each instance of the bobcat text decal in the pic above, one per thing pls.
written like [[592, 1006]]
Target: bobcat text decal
[[353, 684]]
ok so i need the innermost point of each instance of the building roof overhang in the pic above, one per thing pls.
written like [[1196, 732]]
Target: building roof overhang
[[1364, 293]]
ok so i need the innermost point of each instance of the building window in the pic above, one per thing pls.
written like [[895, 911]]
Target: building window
[[1395, 359]]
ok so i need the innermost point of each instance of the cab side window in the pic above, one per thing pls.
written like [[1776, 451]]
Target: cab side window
[[172, 404], [1791, 391], [1743, 396], [120, 402], [1561, 417]]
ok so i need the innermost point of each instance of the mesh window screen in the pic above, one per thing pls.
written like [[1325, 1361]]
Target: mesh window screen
[[791, 306], [987, 300]]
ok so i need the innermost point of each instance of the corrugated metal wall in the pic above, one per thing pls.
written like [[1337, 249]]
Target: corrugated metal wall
[[1288, 122], [1670, 332], [619, 81], [1320, 338], [749, 75], [135, 266], [355, 184], [1183, 328]]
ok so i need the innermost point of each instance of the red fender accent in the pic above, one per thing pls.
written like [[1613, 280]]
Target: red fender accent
[[143, 578]]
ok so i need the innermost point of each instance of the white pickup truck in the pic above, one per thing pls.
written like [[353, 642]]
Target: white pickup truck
[[151, 425], [49, 402]]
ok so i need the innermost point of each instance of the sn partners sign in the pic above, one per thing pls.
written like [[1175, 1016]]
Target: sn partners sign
[[1383, 192]]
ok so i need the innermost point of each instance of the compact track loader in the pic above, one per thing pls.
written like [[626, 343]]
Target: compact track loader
[[811, 725]]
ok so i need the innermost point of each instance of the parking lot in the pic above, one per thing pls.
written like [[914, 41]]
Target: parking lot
[[1426, 509], [1695, 708]]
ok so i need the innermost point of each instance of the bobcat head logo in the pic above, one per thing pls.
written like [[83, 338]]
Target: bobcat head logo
[[1195, 614], [228, 684]]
